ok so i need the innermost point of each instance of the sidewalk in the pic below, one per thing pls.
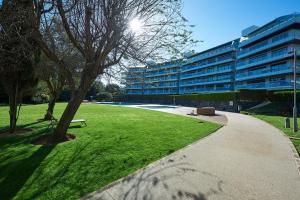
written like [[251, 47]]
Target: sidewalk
[[246, 159]]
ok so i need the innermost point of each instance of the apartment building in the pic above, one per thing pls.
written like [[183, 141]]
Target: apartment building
[[261, 59], [265, 58]]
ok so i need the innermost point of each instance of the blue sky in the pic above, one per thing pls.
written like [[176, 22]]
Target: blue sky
[[218, 21]]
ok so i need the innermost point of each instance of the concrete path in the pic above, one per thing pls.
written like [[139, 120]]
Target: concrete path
[[246, 159]]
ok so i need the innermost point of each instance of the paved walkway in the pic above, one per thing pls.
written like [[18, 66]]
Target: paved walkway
[[246, 159]]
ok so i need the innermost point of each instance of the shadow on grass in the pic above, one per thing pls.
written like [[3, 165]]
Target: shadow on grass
[[5, 128], [18, 172]]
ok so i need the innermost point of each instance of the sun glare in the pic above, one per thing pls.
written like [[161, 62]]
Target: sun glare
[[135, 25]]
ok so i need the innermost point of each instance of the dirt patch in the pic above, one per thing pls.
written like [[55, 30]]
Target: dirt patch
[[48, 139], [19, 131]]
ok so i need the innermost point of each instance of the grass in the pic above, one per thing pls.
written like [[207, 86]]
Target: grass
[[273, 114], [116, 142]]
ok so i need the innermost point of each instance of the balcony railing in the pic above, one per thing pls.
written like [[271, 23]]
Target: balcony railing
[[163, 79], [194, 67], [293, 19], [209, 54], [161, 73], [265, 85], [262, 60], [274, 41], [264, 72], [204, 90], [205, 73], [204, 82]]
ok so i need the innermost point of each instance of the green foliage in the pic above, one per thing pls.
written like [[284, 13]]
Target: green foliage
[[116, 142], [41, 94], [96, 88], [104, 96], [226, 96]]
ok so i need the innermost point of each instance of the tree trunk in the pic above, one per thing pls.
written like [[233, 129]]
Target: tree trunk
[[13, 106], [60, 132], [51, 104]]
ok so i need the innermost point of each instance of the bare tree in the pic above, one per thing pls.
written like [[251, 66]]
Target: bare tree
[[104, 33], [50, 73]]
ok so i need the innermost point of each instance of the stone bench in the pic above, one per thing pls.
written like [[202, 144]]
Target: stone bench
[[206, 111]]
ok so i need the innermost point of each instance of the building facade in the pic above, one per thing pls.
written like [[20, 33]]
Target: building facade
[[261, 59]]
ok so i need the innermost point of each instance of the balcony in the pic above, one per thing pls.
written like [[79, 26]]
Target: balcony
[[277, 40], [209, 54], [292, 20], [266, 85], [160, 86], [205, 90], [164, 66], [201, 74], [153, 92], [194, 67], [285, 68], [205, 82], [134, 93], [161, 73], [162, 79], [262, 60], [135, 87]]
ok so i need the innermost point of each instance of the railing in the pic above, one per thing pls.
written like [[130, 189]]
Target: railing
[[204, 90], [193, 67], [204, 82], [276, 40], [160, 92], [164, 66], [161, 86], [264, 71], [161, 73], [134, 87], [281, 25], [138, 93], [209, 54], [265, 85], [204, 73], [175, 78], [262, 60]]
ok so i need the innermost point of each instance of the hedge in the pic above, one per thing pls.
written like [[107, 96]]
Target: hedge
[[241, 95]]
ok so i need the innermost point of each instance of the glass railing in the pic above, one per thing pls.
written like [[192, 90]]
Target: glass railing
[[205, 73], [268, 70], [209, 54], [265, 85], [278, 26], [193, 67], [136, 93], [274, 40], [134, 87], [173, 78], [203, 82], [262, 59], [161, 73], [204, 90]]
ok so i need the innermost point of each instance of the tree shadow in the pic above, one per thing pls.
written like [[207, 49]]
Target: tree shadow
[[157, 182], [18, 172]]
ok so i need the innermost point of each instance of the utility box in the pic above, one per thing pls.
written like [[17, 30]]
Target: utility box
[[287, 123]]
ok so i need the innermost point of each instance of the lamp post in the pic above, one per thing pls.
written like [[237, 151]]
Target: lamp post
[[295, 127]]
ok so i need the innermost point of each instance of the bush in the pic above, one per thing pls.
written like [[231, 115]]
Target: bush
[[104, 96]]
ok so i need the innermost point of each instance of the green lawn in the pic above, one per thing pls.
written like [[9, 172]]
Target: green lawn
[[272, 114], [116, 142]]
